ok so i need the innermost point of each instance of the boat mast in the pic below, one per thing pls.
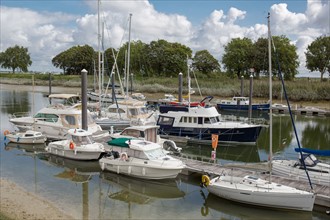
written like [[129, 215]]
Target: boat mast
[[270, 101], [99, 51], [128, 53]]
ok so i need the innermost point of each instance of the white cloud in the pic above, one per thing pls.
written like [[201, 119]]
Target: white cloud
[[42, 33], [47, 34]]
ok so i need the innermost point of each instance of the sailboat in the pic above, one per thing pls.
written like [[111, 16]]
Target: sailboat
[[255, 191]]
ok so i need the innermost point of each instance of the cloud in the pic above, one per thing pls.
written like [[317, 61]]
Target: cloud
[[47, 33], [44, 34]]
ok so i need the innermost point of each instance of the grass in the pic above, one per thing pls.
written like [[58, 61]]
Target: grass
[[300, 89]]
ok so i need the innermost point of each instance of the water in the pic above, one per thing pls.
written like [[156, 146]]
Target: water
[[81, 189]]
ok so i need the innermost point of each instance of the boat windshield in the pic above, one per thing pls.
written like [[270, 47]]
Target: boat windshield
[[155, 154], [82, 140]]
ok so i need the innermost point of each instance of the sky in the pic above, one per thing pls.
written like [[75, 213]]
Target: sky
[[49, 27]]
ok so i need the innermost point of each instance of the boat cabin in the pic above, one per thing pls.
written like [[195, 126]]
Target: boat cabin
[[64, 99], [81, 137]]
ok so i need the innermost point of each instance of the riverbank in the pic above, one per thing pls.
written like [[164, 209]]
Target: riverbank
[[153, 96], [17, 203]]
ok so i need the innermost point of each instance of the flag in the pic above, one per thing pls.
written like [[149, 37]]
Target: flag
[[214, 141]]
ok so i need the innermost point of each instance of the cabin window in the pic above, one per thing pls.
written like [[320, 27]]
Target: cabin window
[[71, 120], [206, 121], [47, 117], [200, 120], [213, 120], [194, 120], [115, 110], [133, 112], [133, 133], [165, 120]]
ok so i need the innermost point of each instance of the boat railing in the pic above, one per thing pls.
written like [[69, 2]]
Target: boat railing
[[202, 159], [260, 121], [19, 115]]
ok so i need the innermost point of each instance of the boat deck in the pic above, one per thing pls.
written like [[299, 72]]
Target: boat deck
[[256, 169]]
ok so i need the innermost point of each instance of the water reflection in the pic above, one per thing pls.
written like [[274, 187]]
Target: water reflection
[[224, 153], [139, 191]]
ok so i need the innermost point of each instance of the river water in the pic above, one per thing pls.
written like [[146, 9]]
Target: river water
[[83, 191]]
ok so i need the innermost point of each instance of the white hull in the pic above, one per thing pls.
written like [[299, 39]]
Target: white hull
[[137, 168], [61, 148], [264, 194], [288, 168], [27, 140], [27, 137]]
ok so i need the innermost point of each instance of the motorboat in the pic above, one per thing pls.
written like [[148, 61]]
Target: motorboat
[[255, 191], [241, 103], [318, 171], [27, 137], [199, 123], [148, 133], [141, 159], [124, 113], [78, 146], [55, 120]]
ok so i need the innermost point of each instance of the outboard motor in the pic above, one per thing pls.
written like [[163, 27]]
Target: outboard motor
[[170, 145]]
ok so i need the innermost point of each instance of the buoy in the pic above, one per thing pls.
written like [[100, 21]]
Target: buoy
[[206, 180], [71, 145], [123, 156], [6, 132]]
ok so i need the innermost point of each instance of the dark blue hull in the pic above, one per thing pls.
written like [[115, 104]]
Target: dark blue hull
[[244, 135], [259, 107]]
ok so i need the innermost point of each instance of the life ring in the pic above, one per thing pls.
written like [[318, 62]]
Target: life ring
[[123, 156], [206, 180], [71, 145], [6, 132]]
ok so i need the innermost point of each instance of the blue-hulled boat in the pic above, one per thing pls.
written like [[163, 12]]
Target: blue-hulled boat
[[241, 104], [199, 123]]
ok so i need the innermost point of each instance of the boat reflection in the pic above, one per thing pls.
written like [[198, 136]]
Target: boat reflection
[[139, 191], [28, 148], [75, 171]]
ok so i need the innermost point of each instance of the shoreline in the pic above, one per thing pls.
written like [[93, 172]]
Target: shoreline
[[17, 203], [325, 105]]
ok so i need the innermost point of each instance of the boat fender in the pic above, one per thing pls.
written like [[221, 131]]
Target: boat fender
[[123, 156], [205, 180], [205, 211], [6, 132], [71, 145]]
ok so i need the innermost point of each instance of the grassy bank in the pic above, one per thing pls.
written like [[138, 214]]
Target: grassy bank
[[301, 89]]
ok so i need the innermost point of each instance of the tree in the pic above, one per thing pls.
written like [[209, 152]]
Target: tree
[[166, 58], [204, 62], [73, 60], [15, 58], [287, 57], [237, 57], [318, 55]]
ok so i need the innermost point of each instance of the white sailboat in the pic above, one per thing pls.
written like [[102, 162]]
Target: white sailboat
[[255, 191]]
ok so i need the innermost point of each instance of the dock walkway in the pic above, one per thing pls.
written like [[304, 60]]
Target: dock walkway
[[256, 169]]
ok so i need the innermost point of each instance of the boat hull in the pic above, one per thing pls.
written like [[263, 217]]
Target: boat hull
[[139, 168], [260, 107], [270, 195], [288, 168], [74, 154], [239, 135]]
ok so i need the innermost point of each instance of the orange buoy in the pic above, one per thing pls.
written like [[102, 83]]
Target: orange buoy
[[6, 132], [71, 145]]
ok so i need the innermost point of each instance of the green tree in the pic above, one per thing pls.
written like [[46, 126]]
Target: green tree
[[318, 55], [15, 58], [73, 60], [205, 63], [168, 59], [287, 57], [237, 57]]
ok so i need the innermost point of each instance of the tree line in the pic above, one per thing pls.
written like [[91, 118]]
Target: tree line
[[242, 57]]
